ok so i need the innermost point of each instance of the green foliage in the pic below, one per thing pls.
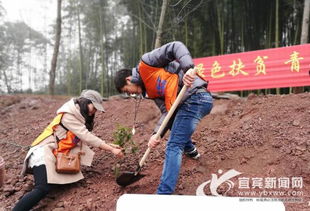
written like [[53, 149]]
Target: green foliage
[[122, 137]]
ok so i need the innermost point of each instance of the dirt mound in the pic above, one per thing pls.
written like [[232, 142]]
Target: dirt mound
[[265, 138]]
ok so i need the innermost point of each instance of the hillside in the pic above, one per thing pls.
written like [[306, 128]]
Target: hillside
[[259, 136]]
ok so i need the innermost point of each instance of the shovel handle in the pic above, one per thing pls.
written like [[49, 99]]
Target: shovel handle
[[167, 118]]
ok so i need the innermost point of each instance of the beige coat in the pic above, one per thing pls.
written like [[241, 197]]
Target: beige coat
[[73, 121]]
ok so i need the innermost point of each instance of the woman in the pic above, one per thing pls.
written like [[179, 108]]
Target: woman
[[70, 131]]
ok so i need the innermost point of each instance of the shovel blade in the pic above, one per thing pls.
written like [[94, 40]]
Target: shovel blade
[[127, 178]]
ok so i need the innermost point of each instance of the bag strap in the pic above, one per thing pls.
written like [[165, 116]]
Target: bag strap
[[64, 127]]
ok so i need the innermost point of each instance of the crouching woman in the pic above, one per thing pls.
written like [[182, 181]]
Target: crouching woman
[[69, 132]]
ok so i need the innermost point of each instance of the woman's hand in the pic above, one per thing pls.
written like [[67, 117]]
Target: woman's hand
[[115, 146], [153, 142], [115, 149], [117, 152]]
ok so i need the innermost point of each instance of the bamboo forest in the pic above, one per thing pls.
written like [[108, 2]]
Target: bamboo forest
[[96, 38]]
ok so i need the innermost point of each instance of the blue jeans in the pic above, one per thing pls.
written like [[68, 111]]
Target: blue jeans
[[189, 114]]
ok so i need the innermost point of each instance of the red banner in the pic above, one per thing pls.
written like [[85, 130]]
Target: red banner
[[262, 69]]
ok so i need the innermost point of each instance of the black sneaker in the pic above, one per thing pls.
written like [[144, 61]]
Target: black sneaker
[[194, 154]]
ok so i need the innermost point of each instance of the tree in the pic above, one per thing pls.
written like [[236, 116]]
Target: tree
[[102, 36], [78, 13], [304, 34], [305, 23], [56, 50], [160, 24], [15, 49]]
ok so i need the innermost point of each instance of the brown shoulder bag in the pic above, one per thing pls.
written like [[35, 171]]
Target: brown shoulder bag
[[68, 163]]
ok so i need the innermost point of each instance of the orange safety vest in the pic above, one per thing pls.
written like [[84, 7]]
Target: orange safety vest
[[64, 145], [159, 83]]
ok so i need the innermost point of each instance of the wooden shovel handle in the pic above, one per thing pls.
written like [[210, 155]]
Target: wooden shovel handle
[[164, 123]]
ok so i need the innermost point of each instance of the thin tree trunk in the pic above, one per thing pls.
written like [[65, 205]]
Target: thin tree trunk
[[304, 34], [6, 82], [305, 23], [30, 64], [56, 50], [242, 35], [233, 39], [70, 63], [145, 35], [69, 73], [19, 72], [161, 23], [220, 22], [277, 25], [296, 34], [140, 31], [80, 50], [101, 22]]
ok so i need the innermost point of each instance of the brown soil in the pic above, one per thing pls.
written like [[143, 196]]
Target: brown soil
[[260, 136]]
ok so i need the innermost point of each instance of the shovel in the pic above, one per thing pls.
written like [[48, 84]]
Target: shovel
[[128, 178]]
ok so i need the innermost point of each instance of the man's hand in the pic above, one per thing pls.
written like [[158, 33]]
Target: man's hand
[[153, 142], [189, 78]]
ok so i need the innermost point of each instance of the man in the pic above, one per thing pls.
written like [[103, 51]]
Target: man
[[160, 75]]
